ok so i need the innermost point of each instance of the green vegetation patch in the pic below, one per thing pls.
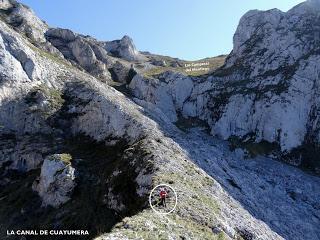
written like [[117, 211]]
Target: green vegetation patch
[[64, 157], [214, 63], [42, 92]]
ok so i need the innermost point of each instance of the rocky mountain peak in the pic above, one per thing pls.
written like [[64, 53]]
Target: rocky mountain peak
[[275, 57], [258, 29], [127, 40], [275, 50], [124, 48]]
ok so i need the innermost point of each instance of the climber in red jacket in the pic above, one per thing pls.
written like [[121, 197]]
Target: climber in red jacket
[[163, 194]]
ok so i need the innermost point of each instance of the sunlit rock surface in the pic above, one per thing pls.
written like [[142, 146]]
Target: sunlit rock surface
[[56, 181]]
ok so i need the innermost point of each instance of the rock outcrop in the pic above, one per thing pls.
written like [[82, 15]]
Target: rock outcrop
[[124, 48], [57, 180], [82, 51], [271, 80], [169, 91], [282, 82]]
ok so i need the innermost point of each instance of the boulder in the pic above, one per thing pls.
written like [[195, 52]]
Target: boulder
[[122, 73], [57, 180]]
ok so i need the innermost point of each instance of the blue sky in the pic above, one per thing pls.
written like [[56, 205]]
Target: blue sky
[[188, 29]]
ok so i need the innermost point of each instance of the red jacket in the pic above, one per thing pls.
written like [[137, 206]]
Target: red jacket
[[163, 194]]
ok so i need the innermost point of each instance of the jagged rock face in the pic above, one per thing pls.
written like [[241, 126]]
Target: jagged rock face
[[271, 78], [124, 48], [57, 34], [268, 88], [83, 53], [76, 48], [57, 180], [24, 19], [108, 116], [168, 92]]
